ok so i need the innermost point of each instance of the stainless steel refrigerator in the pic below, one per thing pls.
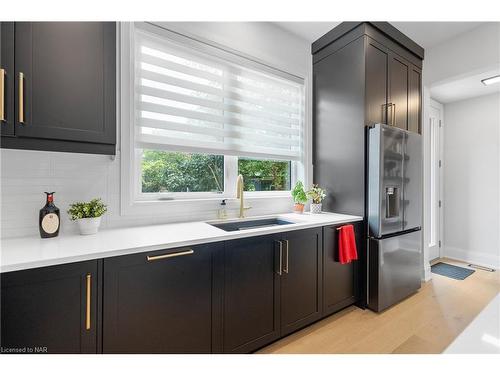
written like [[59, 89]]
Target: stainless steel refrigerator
[[394, 215]]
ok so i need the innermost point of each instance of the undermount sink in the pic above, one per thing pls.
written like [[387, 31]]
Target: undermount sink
[[251, 224]]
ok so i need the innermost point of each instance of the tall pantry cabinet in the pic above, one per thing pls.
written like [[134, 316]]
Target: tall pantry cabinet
[[363, 73]]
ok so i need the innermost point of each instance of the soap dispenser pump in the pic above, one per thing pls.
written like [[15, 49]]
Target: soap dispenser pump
[[222, 213]]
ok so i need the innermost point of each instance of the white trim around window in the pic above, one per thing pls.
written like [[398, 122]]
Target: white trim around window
[[133, 201]]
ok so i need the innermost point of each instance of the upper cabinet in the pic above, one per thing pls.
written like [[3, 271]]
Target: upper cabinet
[[393, 88], [392, 71], [61, 91], [397, 106], [415, 99]]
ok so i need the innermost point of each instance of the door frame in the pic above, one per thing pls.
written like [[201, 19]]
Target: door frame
[[432, 104]]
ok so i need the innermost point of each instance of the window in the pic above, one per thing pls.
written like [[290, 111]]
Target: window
[[202, 115], [168, 172], [265, 175]]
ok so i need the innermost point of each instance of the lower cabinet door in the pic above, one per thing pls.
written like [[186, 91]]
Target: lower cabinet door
[[251, 294], [159, 302], [340, 287], [50, 309], [301, 279]]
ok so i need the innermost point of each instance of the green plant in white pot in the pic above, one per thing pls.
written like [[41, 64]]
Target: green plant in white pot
[[317, 195], [299, 197], [87, 215]]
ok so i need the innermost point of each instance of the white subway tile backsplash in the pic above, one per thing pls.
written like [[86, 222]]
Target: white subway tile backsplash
[[25, 175]]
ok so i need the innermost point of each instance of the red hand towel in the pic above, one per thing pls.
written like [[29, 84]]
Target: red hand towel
[[347, 244]]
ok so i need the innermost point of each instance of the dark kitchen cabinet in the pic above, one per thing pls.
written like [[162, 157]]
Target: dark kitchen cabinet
[[228, 297], [340, 281], [251, 316], [364, 73], [397, 106], [64, 87], [51, 309], [301, 287], [272, 287], [338, 132], [161, 302], [393, 88], [415, 100], [7, 78], [376, 79]]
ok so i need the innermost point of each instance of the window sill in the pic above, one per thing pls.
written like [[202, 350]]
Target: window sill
[[247, 195], [203, 208]]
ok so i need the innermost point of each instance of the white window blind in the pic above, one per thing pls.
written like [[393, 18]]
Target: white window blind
[[189, 100]]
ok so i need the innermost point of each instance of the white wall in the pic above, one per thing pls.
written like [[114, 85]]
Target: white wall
[[262, 40], [25, 175], [471, 180], [471, 52]]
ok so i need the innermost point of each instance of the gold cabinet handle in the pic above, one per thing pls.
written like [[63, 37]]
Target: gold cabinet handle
[[280, 268], [171, 255], [392, 121], [384, 113], [21, 98], [88, 302], [2, 95], [393, 113], [285, 270]]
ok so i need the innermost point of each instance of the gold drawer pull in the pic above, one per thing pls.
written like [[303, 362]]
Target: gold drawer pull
[[2, 94], [171, 255], [21, 98], [87, 312]]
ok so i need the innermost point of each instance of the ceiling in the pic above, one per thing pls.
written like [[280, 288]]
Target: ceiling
[[464, 88], [427, 34]]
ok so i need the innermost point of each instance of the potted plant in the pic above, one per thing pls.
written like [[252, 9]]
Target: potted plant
[[87, 215], [317, 194], [299, 197]]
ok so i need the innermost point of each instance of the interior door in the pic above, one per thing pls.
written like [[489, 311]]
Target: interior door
[[397, 107], [434, 140], [65, 80]]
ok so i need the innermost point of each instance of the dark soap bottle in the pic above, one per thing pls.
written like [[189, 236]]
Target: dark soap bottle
[[49, 222]]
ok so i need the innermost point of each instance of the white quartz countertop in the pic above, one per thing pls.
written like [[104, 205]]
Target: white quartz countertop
[[482, 335], [32, 252]]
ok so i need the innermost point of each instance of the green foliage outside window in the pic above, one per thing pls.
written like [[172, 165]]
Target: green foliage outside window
[[181, 172], [184, 172], [264, 175]]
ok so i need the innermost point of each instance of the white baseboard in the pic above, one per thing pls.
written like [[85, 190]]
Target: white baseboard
[[427, 272], [472, 256]]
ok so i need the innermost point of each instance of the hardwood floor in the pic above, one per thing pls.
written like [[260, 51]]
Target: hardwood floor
[[426, 322]]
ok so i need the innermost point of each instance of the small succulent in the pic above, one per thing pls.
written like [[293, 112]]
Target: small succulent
[[316, 193], [84, 210], [298, 193]]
